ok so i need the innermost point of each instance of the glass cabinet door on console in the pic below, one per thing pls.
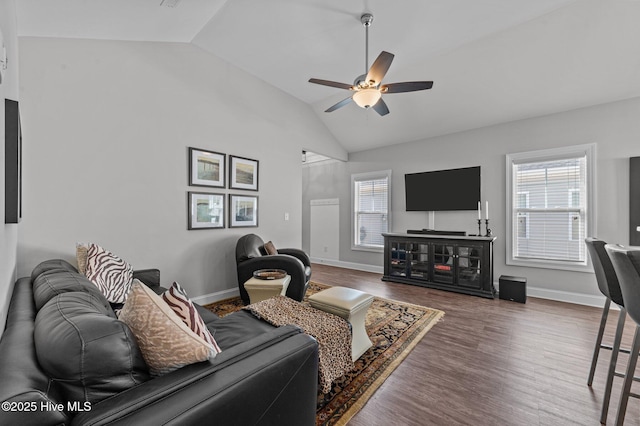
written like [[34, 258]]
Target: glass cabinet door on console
[[409, 260], [443, 263], [398, 263], [419, 268], [457, 264], [469, 268]]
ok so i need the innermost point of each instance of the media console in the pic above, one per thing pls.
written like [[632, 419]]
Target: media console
[[463, 264]]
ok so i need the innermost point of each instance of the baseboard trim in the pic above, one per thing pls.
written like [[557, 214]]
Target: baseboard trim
[[216, 297], [565, 296], [349, 265], [541, 293]]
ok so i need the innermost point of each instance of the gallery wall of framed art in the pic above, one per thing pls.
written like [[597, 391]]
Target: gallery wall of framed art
[[209, 210]]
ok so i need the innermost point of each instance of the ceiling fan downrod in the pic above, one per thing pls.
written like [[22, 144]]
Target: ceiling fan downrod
[[366, 20]]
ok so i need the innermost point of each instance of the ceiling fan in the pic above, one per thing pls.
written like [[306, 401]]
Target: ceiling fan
[[367, 88]]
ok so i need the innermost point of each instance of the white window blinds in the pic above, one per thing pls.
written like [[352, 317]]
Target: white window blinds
[[550, 205], [371, 209]]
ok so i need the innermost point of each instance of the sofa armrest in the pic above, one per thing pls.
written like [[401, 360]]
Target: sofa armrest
[[297, 253], [150, 277], [22, 380], [271, 379]]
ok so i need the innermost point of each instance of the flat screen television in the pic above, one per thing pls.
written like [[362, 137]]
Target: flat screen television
[[454, 189]]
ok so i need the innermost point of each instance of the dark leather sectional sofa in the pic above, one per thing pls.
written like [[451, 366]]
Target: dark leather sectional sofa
[[263, 376]]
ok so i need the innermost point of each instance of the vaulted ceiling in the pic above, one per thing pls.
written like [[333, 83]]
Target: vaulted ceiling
[[491, 61]]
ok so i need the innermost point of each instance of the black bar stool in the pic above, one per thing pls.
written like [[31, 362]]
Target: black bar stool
[[610, 288], [626, 262]]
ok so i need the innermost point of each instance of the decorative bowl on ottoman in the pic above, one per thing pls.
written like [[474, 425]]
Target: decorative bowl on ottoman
[[269, 274]]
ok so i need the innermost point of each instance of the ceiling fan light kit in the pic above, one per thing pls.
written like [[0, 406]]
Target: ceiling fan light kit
[[366, 98], [368, 87]]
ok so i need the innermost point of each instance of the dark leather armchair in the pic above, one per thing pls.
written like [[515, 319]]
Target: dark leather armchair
[[251, 256]]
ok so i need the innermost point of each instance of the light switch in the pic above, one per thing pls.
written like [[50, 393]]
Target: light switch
[[286, 216]]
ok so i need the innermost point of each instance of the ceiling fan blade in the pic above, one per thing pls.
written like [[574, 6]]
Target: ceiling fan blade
[[381, 107], [380, 67], [331, 83], [339, 105], [407, 86]]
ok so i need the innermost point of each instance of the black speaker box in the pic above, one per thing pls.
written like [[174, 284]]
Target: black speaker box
[[513, 288]]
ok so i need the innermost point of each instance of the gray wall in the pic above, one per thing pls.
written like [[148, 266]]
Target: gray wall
[[8, 89], [107, 126], [614, 127]]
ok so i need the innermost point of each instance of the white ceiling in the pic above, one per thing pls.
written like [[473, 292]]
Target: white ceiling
[[491, 61]]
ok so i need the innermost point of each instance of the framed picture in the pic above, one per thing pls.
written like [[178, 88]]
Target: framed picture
[[243, 211], [206, 168], [206, 210], [243, 173], [13, 163]]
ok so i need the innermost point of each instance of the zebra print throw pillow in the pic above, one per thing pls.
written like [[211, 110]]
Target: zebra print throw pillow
[[178, 300], [112, 275]]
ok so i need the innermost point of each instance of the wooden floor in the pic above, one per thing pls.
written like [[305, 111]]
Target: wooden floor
[[492, 362]]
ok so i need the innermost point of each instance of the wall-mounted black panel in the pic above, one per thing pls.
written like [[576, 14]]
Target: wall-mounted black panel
[[634, 201], [13, 163]]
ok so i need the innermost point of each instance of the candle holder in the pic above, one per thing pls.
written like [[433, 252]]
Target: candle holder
[[479, 228], [486, 222]]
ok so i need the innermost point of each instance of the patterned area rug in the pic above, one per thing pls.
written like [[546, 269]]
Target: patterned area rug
[[394, 328]]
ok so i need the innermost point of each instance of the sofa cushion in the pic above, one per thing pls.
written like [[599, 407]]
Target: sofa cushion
[[236, 328], [178, 300], [112, 275], [49, 265], [165, 340], [83, 347], [53, 282]]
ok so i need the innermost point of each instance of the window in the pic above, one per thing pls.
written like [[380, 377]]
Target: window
[[371, 197], [550, 207]]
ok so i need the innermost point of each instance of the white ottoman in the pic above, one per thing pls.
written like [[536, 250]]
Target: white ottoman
[[352, 305], [265, 289]]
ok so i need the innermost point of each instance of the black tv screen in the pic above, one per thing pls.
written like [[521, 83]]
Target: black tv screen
[[454, 189]]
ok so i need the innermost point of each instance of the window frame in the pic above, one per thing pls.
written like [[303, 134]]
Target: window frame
[[360, 177], [574, 151]]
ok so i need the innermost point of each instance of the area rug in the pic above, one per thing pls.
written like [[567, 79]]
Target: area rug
[[393, 327]]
